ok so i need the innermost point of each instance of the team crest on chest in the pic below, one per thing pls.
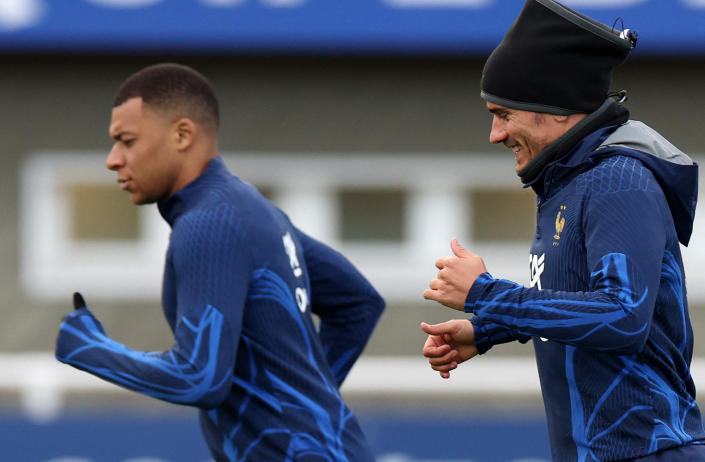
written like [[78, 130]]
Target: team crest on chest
[[560, 224]]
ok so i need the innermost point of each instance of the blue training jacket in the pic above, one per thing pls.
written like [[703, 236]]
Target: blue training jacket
[[240, 284], [607, 308]]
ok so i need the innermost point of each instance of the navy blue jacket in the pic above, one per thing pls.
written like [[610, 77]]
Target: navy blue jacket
[[240, 286], [606, 308]]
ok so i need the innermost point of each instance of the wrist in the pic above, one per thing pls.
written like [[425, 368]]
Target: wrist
[[483, 341]]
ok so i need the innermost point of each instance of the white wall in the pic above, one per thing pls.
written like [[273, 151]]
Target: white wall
[[304, 186]]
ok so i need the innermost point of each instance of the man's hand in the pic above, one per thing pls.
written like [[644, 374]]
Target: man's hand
[[80, 309], [77, 326], [456, 276], [449, 344]]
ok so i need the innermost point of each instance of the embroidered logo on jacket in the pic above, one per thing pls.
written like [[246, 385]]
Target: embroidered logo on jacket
[[560, 224], [536, 269]]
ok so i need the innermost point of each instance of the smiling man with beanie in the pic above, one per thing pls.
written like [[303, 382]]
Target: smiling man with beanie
[[606, 308]]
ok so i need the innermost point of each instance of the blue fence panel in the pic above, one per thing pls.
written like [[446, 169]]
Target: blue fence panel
[[319, 26], [403, 437]]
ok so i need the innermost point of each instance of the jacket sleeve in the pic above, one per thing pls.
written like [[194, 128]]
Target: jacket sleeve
[[625, 222], [489, 334], [347, 305], [210, 269]]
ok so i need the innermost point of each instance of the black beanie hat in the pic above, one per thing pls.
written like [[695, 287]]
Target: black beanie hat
[[554, 60]]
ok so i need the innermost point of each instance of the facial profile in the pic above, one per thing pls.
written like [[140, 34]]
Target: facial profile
[[143, 153], [527, 133]]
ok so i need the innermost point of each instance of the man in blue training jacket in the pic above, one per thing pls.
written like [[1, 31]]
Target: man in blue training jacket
[[240, 286], [606, 307]]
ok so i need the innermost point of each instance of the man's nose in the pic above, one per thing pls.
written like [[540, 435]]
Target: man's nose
[[115, 159], [498, 133]]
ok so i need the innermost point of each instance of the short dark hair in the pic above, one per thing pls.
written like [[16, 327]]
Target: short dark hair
[[176, 88]]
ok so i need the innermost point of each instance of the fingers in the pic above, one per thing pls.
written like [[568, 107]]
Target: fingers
[[435, 329], [444, 299], [446, 262], [437, 287], [444, 367], [459, 250], [446, 362], [442, 262], [455, 277], [442, 359], [430, 294], [437, 348], [434, 341], [440, 354], [450, 298]]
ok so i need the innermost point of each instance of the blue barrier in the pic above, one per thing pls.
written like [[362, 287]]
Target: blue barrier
[[319, 26], [407, 437]]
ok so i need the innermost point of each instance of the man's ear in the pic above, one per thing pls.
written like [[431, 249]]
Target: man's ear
[[184, 133]]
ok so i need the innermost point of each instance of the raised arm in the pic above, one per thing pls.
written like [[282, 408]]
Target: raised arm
[[626, 265], [208, 262]]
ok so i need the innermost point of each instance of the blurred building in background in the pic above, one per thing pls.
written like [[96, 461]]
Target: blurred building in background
[[361, 119]]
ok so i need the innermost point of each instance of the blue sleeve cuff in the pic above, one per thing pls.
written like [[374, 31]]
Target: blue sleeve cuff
[[477, 289], [483, 342]]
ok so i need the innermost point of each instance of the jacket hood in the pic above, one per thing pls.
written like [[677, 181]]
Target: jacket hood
[[676, 173]]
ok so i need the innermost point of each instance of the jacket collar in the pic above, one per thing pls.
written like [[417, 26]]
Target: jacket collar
[[601, 123], [172, 207]]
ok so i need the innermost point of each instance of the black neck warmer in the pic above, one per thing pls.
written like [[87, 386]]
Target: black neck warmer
[[609, 113]]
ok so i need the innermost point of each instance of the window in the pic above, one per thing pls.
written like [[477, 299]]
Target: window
[[372, 214], [502, 215], [81, 232], [101, 212]]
